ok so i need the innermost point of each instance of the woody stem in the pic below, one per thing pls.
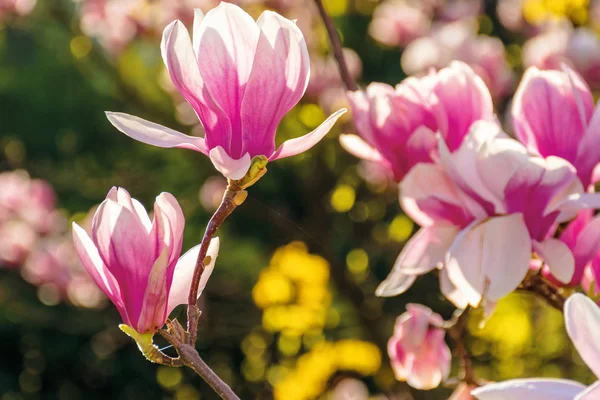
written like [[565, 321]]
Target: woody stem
[[336, 44], [228, 204]]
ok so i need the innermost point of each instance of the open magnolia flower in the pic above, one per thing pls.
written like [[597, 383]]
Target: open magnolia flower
[[553, 115], [582, 318], [241, 77], [483, 210], [398, 126], [136, 262]]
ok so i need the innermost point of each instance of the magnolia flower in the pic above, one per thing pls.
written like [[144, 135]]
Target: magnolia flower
[[582, 318], [582, 237], [136, 262], [483, 210], [553, 115], [241, 77], [417, 350], [398, 126]]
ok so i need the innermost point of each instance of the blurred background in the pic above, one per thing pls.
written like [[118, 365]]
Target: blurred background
[[290, 311]]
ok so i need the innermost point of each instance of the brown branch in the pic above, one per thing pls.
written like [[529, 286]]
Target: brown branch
[[336, 44], [192, 359], [457, 328], [233, 197], [536, 284], [189, 357]]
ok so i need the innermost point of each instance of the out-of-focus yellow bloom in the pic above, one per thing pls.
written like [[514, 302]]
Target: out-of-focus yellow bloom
[[313, 369], [400, 228], [273, 287], [538, 11], [294, 293], [342, 198]]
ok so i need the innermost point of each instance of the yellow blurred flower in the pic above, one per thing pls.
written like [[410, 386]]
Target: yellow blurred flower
[[538, 11]]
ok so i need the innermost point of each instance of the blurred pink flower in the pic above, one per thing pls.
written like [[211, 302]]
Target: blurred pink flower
[[397, 23], [136, 262], [241, 77], [211, 192], [483, 210], [553, 115], [487, 57], [455, 10], [417, 350], [325, 74], [458, 41], [112, 22], [54, 263], [398, 126], [578, 48], [17, 241], [582, 319], [18, 7]]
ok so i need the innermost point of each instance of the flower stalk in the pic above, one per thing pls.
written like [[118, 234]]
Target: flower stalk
[[336, 44]]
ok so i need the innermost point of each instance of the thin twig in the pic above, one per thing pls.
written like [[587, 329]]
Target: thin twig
[[336, 44], [228, 204], [456, 329], [192, 359], [189, 357]]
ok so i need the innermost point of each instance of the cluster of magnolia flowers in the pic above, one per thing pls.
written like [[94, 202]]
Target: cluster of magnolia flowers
[[33, 239], [485, 201]]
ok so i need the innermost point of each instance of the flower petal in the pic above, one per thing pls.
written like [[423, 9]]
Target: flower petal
[[154, 134], [529, 389], [301, 144], [277, 82], [490, 258], [184, 271], [153, 313], [168, 226], [591, 393], [421, 254], [582, 318], [558, 257], [182, 64], [227, 40], [230, 168], [92, 262], [125, 248], [356, 146], [458, 87]]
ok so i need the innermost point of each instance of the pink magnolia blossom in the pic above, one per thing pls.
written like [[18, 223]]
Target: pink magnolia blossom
[[582, 319], [553, 115], [241, 77], [398, 126], [136, 262], [417, 350], [483, 210], [582, 237]]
